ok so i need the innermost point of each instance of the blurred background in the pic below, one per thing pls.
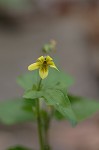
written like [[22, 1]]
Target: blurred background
[[25, 25]]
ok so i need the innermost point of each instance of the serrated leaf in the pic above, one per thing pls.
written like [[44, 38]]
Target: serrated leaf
[[83, 107], [12, 112], [60, 101]]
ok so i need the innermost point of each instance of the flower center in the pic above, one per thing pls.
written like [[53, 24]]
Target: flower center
[[44, 63]]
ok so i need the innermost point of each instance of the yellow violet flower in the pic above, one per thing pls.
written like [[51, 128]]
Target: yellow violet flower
[[42, 64]]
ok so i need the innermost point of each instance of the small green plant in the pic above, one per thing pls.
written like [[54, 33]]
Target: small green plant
[[46, 97]]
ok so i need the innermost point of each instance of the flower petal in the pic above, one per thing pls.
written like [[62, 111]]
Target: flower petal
[[53, 65], [33, 66], [48, 58], [41, 59], [43, 72]]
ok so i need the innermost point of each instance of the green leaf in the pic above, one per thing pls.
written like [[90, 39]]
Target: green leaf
[[32, 94], [28, 80], [12, 111], [60, 101], [18, 148], [83, 107], [58, 115], [30, 105], [55, 78]]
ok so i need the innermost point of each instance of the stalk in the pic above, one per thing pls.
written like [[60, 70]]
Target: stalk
[[39, 123]]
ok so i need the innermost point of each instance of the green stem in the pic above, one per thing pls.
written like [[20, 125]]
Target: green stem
[[39, 126], [47, 147], [46, 129], [39, 121], [46, 140]]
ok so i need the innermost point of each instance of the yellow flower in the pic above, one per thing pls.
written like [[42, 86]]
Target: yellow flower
[[42, 64]]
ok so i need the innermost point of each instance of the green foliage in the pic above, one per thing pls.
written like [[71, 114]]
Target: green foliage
[[73, 108], [13, 111], [82, 107], [18, 148], [60, 101], [51, 91], [33, 94], [30, 80], [20, 110], [58, 98], [57, 79], [58, 115]]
